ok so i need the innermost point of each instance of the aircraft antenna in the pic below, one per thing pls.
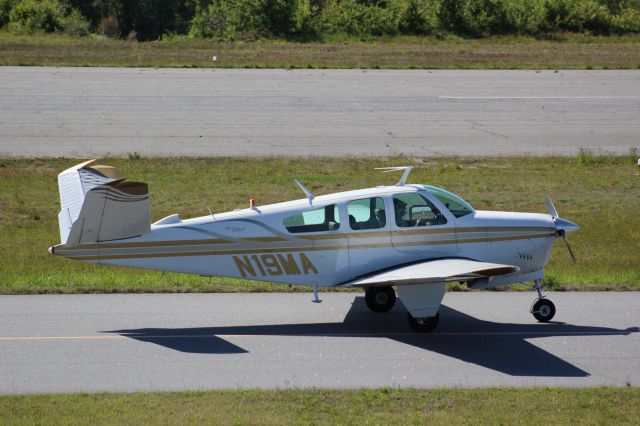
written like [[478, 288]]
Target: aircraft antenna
[[211, 213], [405, 175], [308, 193]]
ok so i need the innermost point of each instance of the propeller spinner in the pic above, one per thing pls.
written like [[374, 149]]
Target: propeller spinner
[[563, 226]]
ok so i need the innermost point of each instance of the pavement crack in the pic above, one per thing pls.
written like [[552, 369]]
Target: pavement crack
[[390, 133], [477, 126]]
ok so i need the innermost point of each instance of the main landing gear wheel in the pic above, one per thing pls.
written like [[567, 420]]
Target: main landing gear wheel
[[424, 324], [543, 310], [380, 299]]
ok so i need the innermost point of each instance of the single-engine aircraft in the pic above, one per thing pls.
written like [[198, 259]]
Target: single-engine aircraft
[[414, 238]]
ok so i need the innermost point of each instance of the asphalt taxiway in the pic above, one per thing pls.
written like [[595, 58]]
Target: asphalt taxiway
[[86, 112], [149, 342]]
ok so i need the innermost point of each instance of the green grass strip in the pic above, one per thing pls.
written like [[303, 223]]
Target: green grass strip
[[600, 193], [565, 51], [548, 406]]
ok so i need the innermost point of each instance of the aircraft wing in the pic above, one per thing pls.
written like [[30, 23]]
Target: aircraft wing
[[435, 271]]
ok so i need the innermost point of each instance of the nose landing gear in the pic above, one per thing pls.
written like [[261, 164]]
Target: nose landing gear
[[542, 309]]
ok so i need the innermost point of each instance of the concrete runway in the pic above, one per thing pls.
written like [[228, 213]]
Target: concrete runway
[[210, 341], [88, 112]]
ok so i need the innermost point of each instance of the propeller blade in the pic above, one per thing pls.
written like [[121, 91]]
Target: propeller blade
[[573, 257], [551, 209], [562, 225]]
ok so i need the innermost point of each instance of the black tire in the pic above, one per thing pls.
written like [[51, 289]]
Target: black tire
[[423, 325], [543, 310], [380, 299]]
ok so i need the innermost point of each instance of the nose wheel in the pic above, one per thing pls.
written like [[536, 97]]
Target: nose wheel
[[542, 309], [380, 299]]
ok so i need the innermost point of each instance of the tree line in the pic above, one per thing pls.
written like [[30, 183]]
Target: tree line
[[315, 19]]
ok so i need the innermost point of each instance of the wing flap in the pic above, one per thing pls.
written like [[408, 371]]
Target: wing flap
[[432, 271]]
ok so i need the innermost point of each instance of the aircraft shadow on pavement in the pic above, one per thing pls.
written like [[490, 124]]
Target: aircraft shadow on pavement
[[501, 347]]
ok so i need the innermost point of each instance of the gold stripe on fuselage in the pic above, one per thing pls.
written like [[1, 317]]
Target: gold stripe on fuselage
[[173, 243], [165, 251], [414, 231], [143, 244]]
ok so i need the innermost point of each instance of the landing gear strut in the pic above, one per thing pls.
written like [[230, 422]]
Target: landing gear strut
[[424, 324], [542, 309], [380, 299]]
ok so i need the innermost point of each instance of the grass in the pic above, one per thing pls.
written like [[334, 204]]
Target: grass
[[565, 51], [601, 193], [367, 406]]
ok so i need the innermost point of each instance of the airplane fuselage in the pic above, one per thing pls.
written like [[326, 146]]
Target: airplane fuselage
[[331, 240]]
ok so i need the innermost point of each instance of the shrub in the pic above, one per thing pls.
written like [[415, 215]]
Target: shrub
[[45, 15], [587, 15], [5, 8], [627, 21], [285, 17], [355, 18], [303, 19], [452, 16], [224, 19], [523, 17], [341, 17], [578, 16], [420, 17], [252, 18], [33, 15], [488, 17], [75, 24]]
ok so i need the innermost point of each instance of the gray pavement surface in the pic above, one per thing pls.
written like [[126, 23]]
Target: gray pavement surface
[[88, 112], [92, 343]]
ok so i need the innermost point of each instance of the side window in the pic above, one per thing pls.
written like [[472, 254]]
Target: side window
[[321, 219], [415, 210], [367, 213]]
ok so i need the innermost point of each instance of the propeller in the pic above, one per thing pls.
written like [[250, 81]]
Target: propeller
[[563, 226], [551, 209], [573, 257]]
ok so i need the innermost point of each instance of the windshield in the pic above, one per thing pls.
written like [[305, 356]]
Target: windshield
[[456, 205]]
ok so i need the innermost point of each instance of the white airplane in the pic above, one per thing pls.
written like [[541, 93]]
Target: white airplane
[[415, 238]]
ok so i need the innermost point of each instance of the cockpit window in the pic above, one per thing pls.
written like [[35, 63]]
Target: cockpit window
[[321, 219], [412, 209], [456, 205]]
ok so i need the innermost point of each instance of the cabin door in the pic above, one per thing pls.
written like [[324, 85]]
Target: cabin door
[[369, 236], [419, 229]]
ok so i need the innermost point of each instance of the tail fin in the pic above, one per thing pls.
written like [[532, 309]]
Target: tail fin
[[97, 205]]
